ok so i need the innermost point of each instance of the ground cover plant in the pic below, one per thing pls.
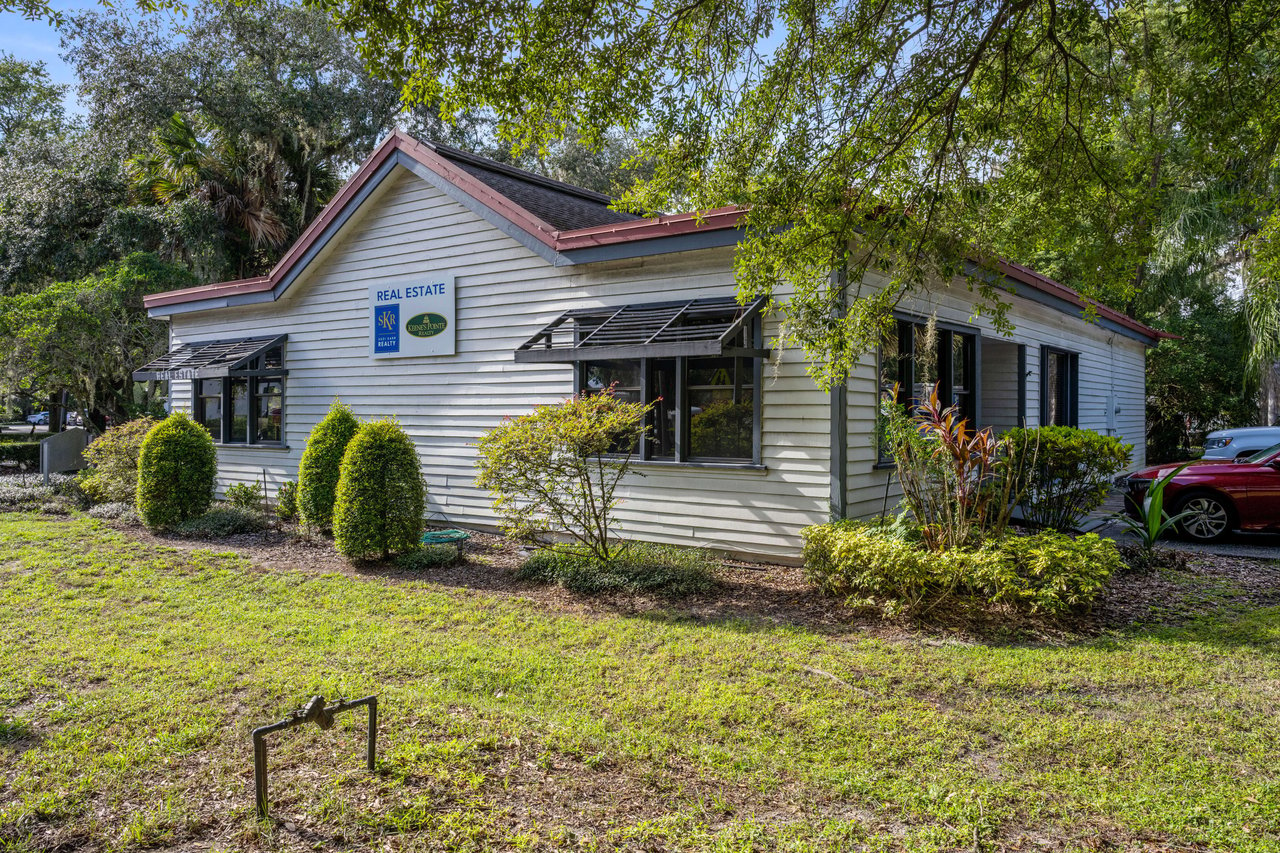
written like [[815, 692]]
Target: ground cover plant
[[632, 567], [133, 673], [887, 566]]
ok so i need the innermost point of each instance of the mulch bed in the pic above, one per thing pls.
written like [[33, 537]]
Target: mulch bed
[[779, 595]]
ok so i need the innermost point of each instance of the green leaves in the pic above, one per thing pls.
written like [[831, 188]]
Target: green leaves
[[87, 336], [177, 468], [380, 496], [554, 471], [899, 137], [1069, 472], [321, 465]]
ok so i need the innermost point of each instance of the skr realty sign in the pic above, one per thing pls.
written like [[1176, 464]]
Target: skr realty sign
[[412, 319]]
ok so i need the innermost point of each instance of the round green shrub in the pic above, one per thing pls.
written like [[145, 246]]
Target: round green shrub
[[380, 496], [321, 465], [177, 467]]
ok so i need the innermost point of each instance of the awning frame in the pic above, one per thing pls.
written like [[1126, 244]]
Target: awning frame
[[149, 372], [542, 347]]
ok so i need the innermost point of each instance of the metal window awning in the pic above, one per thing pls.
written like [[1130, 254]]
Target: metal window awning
[[691, 327], [208, 360]]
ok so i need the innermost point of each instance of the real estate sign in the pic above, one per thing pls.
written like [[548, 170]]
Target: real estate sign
[[414, 318]]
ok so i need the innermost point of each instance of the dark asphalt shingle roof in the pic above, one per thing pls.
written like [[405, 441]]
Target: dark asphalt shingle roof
[[562, 206]]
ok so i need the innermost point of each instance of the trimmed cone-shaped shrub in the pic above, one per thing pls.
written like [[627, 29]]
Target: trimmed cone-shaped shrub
[[321, 465], [380, 495], [176, 471]]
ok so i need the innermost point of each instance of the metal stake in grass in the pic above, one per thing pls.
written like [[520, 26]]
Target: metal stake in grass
[[315, 711]]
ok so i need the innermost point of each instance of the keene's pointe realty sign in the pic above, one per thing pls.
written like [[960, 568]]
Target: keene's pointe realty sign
[[412, 319]]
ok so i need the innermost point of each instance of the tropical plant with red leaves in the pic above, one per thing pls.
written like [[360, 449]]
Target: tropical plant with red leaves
[[961, 484]]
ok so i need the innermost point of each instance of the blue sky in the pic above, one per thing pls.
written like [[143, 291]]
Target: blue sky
[[38, 40]]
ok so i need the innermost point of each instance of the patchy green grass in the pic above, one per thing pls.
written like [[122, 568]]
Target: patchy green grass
[[132, 674]]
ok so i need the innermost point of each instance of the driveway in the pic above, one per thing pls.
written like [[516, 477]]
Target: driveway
[[1254, 546]]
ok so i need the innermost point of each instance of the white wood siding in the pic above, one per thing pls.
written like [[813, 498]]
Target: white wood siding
[[506, 293], [1112, 378]]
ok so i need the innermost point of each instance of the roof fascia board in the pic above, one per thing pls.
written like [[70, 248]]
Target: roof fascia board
[[1049, 300], [477, 206], [335, 226], [211, 304], [692, 241]]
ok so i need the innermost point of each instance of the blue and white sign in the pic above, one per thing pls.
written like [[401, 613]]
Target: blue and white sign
[[386, 328], [412, 318]]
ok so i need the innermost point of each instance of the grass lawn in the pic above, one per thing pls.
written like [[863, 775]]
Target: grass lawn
[[131, 675]]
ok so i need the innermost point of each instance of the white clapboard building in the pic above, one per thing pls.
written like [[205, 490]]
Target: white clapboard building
[[450, 291]]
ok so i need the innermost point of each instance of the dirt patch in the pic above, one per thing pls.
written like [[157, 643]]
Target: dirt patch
[[1208, 585]]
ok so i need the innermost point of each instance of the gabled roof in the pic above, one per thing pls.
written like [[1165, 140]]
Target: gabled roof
[[562, 223], [563, 206]]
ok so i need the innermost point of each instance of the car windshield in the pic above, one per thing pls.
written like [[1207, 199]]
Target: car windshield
[[1263, 454]]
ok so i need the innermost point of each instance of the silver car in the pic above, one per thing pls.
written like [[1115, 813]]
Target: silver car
[[1236, 443]]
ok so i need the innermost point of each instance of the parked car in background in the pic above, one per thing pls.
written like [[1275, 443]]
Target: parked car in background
[[1219, 495], [1244, 441], [39, 418]]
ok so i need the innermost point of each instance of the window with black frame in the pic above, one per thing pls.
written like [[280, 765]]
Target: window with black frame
[[246, 406], [704, 409], [1058, 387], [917, 357]]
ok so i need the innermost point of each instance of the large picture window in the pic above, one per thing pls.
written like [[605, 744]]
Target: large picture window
[[247, 406], [704, 409], [916, 357], [1059, 378], [695, 362]]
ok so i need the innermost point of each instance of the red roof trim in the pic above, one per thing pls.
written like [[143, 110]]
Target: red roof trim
[[1044, 284], [650, 229], [208, 291], [560, 241]]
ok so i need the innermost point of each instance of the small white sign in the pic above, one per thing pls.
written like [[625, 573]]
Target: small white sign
[[416, 318]]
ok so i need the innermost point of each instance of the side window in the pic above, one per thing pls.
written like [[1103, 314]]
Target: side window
[[1059, 381]]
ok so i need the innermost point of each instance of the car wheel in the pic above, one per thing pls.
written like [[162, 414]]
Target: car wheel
[[1209, 517]]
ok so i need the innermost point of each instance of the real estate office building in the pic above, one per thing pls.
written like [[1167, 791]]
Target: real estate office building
[[451, 291]]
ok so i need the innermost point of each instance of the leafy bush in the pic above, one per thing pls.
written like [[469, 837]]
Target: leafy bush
[[176, 472], [113, 462], [222, 521], [115, 510], [555, 470], [380, 496], [427, 557], [287, 501], [1046, 572], [18, 453], [960, 484], [633, 567], [1068, 472], [245, 495], [321, 465]]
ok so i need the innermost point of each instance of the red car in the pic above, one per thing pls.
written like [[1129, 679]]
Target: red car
[[1220, 495]]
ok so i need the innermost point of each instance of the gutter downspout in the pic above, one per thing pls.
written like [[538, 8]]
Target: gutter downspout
[[839, 456]]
